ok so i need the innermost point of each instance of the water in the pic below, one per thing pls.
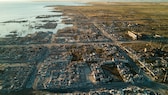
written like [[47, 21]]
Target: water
[[28, 11]]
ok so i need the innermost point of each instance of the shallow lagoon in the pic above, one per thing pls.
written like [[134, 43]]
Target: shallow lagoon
[[21, 17]]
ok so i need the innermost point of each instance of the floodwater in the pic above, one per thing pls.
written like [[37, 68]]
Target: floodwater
[[20, 17]]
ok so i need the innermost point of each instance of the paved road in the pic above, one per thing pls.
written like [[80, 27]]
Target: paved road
[[113, 41], [57, 44], [147, 81]]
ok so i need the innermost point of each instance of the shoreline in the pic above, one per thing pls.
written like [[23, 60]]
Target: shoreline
[[24, 27], [67, 59]]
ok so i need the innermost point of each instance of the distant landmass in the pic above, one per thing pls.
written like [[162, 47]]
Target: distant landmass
[[110, 0]]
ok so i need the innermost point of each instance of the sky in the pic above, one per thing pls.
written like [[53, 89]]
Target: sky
[[13, 0], [91, 0]]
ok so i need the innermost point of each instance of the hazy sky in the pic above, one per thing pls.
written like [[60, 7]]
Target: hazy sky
[[94, 0], [12, 0]]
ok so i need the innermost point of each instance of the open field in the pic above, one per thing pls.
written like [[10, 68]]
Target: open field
[[153, 16], [116, 19], [96, 56]]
